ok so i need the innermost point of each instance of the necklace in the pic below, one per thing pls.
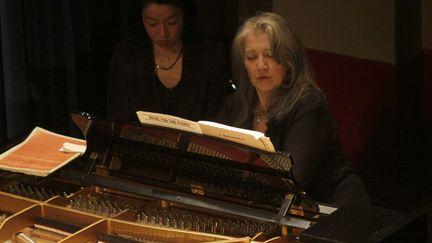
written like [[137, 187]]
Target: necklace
[[260, 120], [259, 116], [157, 66]]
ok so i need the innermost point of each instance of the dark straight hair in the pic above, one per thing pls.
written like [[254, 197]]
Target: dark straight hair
[[189, 8]]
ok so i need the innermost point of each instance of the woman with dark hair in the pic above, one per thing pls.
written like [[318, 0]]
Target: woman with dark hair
[[169, 69], [277, 95]]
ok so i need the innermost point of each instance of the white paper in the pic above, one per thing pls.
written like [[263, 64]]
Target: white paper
[[72, 148]]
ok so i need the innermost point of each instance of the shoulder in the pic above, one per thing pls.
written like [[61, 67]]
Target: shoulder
[[131, 44], [311, 105], [312, 98], [130, 53], [130, 49]]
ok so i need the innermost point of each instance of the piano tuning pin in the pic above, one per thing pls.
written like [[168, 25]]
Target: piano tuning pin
[[44, 193], [51, 193], [39, 196], [174, 223], [12, 189]]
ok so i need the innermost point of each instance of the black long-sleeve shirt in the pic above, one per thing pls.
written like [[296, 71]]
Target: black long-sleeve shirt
[[310, 134]]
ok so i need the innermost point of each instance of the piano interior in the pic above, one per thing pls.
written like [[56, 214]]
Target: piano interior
[[140, 183]]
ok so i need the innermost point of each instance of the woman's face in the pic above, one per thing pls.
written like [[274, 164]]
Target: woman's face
[[163, 23], [265, 73]]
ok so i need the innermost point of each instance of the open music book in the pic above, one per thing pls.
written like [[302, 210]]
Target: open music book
[[42, 153], [246, 137]]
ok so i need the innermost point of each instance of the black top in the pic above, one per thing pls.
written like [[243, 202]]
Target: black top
[[133, 84], [169, 98], [320, 166]]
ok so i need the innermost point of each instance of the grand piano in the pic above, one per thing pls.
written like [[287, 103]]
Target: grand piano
[[144, 183]]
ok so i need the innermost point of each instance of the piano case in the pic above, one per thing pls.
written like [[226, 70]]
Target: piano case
[[142, 183]]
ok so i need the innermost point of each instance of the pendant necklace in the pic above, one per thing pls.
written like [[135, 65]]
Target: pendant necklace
[[157, 66], [259, 116]]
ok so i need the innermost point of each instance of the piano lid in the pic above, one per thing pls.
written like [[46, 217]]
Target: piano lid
[[204, 169]]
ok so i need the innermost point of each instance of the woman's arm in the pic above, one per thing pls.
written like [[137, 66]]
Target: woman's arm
[[309, 135]]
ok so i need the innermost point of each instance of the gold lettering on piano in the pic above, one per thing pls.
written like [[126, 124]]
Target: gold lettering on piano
[[101, 170], [197, 189]]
